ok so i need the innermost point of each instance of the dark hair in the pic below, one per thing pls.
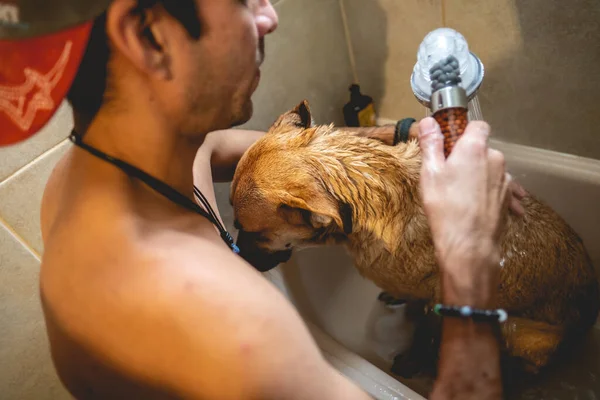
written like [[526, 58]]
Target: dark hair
[[90, 87]]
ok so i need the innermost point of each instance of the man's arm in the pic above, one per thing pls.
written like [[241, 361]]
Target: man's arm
[[383, 133], [227, 147], [469, 359], [465, 198], [469, 354]]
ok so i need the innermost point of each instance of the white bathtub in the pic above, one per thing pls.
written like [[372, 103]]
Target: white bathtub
[[350, 325]]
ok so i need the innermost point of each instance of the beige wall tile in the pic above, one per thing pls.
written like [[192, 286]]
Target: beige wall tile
[[306, 58], [542, 85], [14, 157], [26, 370], [21, 196], [385, 36]]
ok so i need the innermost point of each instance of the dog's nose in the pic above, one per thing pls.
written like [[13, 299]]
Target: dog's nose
[[260, 259], [263, 261]]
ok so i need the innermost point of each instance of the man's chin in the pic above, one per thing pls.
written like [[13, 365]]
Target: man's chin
[[244, 114]]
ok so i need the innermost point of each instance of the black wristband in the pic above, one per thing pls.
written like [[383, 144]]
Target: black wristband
[[467, 312], [402, 131]]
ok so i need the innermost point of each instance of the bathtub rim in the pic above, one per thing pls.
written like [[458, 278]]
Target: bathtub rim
[[363, 373], [564, 165]]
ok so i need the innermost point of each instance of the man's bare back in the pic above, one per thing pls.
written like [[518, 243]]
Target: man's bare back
[[146, 300]]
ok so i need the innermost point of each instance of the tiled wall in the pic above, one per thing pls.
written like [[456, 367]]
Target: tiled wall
[[25, 370], [542, 60], [306, 58]]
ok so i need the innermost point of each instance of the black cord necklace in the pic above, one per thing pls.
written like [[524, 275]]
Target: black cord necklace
[[163, 189]]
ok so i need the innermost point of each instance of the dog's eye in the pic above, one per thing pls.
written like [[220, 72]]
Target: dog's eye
[[237, 225], [257, 237]]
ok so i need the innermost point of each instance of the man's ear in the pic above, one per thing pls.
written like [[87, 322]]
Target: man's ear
[[138, 36], [318, 213], [299, 117]]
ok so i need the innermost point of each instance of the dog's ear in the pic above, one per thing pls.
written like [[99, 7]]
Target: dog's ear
[[318, 213], [299, 117], [303, 111]]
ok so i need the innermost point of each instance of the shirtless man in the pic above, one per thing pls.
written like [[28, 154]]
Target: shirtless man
[[142, 297]]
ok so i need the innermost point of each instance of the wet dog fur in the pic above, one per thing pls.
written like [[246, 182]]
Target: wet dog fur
[[302, 185]]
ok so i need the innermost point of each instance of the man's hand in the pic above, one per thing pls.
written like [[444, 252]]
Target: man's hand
[[517, 193], [465, 199]]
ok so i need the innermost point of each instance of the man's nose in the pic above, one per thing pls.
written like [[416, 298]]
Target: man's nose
[[267, 19]]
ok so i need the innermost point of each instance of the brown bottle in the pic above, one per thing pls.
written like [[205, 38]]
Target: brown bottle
[[449, 104]]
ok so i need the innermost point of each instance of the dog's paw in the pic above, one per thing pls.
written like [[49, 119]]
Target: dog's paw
[[406, 366], [389, 300]]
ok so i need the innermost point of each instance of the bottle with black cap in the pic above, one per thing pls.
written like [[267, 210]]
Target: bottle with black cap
[[360, 110]]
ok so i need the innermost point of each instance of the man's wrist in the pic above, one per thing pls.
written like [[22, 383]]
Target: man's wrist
[[414, 131], [405, 129], [385, 133], [469, 365], [468, 281]]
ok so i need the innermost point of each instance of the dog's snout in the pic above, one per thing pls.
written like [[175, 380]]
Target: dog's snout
[[260, 259]]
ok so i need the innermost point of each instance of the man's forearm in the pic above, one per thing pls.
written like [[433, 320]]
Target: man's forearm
[[469, 366], [383, 133], [227, 147]]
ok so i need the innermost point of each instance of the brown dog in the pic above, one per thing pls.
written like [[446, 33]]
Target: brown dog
[[302, 186]]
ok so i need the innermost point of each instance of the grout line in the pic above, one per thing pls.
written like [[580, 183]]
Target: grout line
[[20, 239], [30, 163], [348, 41]]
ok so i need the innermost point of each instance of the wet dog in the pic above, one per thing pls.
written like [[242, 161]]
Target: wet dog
[[302, 185]]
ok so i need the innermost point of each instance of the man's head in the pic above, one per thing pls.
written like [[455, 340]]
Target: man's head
[[196, 62]]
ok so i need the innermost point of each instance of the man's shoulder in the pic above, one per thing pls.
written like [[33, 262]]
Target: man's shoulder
[[158, 306], [136, 264], [181, 256]]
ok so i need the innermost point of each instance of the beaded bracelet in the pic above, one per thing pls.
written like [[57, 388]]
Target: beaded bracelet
[[467, 312], [402, 131]]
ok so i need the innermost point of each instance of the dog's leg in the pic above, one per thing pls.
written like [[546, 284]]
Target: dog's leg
[[531, 341], [422, 354]]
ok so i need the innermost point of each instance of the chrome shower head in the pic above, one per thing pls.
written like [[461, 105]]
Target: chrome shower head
[[437, 46]]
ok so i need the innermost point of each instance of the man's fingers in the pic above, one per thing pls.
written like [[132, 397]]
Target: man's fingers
[[473, 144], [516, 207], [506, 193], [517, 190], [431, 141], [516, 194], [496, 168]]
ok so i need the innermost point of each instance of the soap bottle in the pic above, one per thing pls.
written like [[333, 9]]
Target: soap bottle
[[360, 110]]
